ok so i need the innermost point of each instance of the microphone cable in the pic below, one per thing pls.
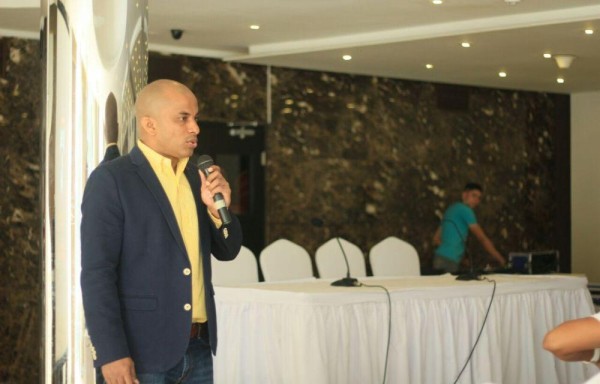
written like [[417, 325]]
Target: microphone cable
[[480, 331], [387, 349]]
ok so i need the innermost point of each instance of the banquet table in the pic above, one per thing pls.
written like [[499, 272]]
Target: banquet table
[[312, 332]]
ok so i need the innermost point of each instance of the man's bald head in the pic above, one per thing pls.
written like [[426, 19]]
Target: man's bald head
[[153, 97], [166, 114]]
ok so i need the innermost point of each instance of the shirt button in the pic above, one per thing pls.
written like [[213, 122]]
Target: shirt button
[[187, 271], [187, 307]]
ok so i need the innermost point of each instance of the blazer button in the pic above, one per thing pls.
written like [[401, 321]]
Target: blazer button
[[187, 307], [187, 271]]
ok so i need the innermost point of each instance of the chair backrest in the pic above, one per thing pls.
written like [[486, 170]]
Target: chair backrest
[[285, 260], [330, 259], [241, 270], [394, 257]]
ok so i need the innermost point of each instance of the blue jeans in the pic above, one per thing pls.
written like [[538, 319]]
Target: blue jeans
[[196, 367]]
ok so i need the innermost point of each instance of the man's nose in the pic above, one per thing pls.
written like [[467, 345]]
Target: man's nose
[[195, 128]]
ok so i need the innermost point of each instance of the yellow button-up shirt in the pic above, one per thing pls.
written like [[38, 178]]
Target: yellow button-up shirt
[[181, 197]]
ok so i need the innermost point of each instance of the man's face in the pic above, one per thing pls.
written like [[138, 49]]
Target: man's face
[[176, 127], [472, 198]]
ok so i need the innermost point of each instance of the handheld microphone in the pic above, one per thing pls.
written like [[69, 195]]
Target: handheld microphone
[[204, 162], [346, 281]]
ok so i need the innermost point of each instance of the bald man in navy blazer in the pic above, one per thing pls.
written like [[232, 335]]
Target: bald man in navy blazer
[[148, 230]]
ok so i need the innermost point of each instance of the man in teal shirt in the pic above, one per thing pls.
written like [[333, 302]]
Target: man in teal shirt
[[451, 236]]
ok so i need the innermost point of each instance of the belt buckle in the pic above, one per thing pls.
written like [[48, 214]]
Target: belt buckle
[[196, 331]]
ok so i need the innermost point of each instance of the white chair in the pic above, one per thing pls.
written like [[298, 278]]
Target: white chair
[[241, 270], [394, 257], [330, 259], [285, 260]]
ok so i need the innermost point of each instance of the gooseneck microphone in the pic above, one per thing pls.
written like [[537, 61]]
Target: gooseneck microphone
[[204, 162], [346, 281]]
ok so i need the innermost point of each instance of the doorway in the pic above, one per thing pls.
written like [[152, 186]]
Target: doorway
[[239, 150]]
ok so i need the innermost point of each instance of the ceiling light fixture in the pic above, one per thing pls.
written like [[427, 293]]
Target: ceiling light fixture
[[512, 2], [437, 2], [429, 66], [347, 57], [560, 80], [547, 55], [502, 74], [589, 31], [255, 26], [564, 61], [465, 44]]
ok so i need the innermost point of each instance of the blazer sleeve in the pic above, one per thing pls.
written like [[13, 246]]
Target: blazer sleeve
[[226, 240], [101, 239]]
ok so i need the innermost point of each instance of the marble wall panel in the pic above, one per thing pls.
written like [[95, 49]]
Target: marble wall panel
[[380, 157], [226, 92], [373, 157], [20, 269]]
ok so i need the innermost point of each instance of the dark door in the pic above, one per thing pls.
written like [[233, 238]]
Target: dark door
[[238, 150]]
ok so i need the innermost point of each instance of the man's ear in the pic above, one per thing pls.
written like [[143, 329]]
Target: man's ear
[[148, 125]]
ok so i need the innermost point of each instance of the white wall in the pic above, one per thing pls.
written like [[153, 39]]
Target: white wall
[[585, 184]]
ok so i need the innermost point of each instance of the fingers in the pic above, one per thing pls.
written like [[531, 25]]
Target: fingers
[[120, 372], [215, 182], [133, 375]]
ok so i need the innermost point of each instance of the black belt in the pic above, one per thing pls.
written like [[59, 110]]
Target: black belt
[[199, 330]]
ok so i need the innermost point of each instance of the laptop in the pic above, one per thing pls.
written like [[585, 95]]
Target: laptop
[[534, 263]]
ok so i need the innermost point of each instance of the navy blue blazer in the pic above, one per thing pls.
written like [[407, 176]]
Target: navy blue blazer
[[135, 275]]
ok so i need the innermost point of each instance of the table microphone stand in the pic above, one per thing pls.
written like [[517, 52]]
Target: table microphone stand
[[345, 281]]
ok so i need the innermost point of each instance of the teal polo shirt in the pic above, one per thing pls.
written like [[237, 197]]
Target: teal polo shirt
[[455, 230]]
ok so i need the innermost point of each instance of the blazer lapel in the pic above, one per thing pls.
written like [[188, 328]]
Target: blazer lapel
[[191, 173], [146, 173]]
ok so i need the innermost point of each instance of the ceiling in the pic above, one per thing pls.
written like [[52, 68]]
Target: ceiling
[[390, 38]]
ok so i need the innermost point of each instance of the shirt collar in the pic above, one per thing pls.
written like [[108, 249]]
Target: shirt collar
[[161, 163]]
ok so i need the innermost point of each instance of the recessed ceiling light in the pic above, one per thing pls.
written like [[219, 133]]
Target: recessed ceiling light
[[502, 74], [429, 66], [560, 80], [255, 26], [589, 31], [547, 55], [437, 2], [465, 44], [347, 57]]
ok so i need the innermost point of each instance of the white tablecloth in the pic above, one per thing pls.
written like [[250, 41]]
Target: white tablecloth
[[312, 333]]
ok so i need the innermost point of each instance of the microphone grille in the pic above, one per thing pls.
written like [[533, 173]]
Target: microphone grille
[[204, 161]]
